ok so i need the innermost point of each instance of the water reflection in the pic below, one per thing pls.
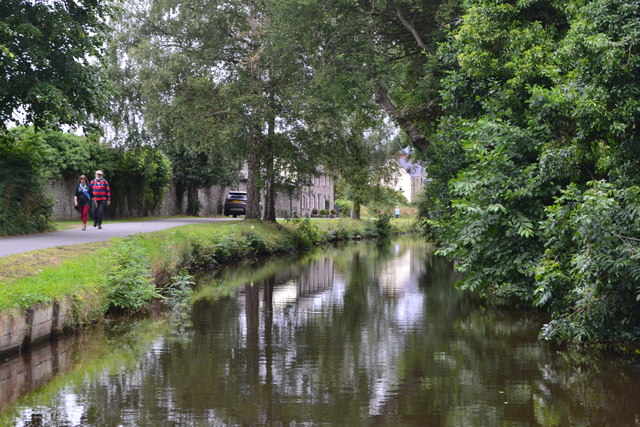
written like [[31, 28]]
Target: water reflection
[[362, 334]]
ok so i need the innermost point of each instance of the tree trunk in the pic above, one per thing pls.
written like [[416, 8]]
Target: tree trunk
[[270, 199], [355, 213], [270, 194], [254, 176], [253, 186], [179, 197], [408, 25], [419, 141], [193, 204]]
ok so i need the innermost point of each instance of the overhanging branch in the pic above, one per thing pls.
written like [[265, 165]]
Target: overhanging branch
[[419, 141]]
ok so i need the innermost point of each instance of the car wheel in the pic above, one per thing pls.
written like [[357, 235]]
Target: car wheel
[[235, 216]]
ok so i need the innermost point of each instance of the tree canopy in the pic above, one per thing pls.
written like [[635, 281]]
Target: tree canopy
[[49, 69], [525, 114]]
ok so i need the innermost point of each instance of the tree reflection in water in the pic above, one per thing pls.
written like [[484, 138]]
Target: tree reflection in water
[[360, 334]]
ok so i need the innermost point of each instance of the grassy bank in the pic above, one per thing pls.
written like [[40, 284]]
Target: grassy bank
[[124, 274]]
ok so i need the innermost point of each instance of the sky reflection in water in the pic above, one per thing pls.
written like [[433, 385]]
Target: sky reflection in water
[[364, 334]]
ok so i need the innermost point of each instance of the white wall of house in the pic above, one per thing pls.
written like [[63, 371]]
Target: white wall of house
[[402, 183]]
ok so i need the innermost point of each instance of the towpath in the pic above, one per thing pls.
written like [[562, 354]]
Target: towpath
[[32, 242]]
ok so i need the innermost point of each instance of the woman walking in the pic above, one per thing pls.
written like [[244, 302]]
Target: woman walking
[[82, 200]]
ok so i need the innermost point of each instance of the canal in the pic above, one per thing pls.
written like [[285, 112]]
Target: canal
[[361, 334]]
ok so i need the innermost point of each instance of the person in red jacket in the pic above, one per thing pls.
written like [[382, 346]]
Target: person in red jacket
[[101, 198]]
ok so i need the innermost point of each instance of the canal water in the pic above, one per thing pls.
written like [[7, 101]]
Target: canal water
[[361, 334]]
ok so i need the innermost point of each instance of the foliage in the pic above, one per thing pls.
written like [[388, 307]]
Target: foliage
[[540, 99], [383, 225], [590, 273], [128, 282], [65, 155], [48, 64], [138, 177], [366, 164], [345, 207], [177, 293], [24, 205], [492, 229], [307, 232]]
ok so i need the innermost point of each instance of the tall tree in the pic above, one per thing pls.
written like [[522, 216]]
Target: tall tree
[[386, 48], [49, 72]]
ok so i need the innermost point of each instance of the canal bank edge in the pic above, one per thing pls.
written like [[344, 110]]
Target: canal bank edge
[[74, 292]]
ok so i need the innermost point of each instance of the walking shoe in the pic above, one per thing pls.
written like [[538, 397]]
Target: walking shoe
[[84, 228], [100, 227]]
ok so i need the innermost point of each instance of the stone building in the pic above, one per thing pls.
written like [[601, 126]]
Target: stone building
[[292, 201]]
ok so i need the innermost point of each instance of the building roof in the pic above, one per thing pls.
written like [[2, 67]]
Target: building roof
[[414, 169]]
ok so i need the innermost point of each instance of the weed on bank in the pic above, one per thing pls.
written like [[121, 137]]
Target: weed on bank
[[124, 274]]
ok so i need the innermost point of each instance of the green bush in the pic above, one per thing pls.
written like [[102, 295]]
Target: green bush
[[324, 212], [589, 276], [307, 232], [138, 177], [178, 291], [203, 254], [346, 206], [383, 225], [24, 206], [258, 245], [129, 284]]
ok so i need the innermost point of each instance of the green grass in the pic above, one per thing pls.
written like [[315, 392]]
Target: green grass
[[80, 271]]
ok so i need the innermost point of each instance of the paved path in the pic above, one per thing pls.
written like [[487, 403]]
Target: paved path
[[32, 242]]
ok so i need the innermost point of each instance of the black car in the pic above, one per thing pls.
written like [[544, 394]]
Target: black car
[[236, 203]]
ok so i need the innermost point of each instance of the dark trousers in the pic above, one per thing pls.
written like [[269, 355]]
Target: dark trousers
[[98, 211]]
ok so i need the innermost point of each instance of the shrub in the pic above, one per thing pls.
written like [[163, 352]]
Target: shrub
[[314, 211], [324, 212], [179, 290], [257, 244], [346, 206], [342, 233], [589, 276], [333, 211], [129, 284], [383, 225], [203, 254], [308, 234], [24, 207]]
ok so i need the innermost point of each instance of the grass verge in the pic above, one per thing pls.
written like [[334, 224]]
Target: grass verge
[[89, 273]]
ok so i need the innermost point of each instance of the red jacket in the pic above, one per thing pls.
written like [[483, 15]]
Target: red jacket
[[100, 190]]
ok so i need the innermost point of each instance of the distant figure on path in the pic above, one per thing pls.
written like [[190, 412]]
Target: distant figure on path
[[82, 200], [101, 198], [396, 212]]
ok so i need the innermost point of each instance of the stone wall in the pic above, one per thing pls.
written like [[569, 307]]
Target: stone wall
[[319, 196], [62, 192], [38, 323]]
